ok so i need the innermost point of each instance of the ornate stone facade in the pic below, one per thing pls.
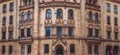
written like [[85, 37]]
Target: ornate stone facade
[[59, 27]]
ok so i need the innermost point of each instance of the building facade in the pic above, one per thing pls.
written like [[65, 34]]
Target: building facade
[[59, 27]]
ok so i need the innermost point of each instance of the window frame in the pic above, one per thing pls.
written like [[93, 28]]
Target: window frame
[[11, 35], [116, 35], [72, 48], [70, 14], [90, 15], [108, 7], [29, 49], [48, 14], [4, 21], [22, 16], [4, 8], [70, 31], [59, 31], [90, 32], [22, 49], [28, 15], [108, 34], [108, 20], [11, 6], [22, 33], [116, 21], [59, 14], [10, 49], [115, 8], [4, 35], [11, 20], [46, 48], [48, 31], [96, 17], [96, 49], [89, 49], [28, 32]]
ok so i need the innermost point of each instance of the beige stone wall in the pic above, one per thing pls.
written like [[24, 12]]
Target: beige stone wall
[[38, 28]]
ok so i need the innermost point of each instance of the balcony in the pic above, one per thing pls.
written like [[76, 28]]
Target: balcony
[[4, 28], [27, 6], [62, 36], [48, 22], [59, 4], [10, 27], [25, 39], [59, 22], [92, 6], [94, 39], [108, 27], [26, 22], [116, 28], [94, 23], [90, 22]]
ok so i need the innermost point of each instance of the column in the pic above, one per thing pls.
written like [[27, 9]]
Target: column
[[35, 27]]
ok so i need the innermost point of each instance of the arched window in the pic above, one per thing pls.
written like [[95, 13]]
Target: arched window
[[4, 21], [59, 13], [96, 16], [70, 14], [22, 16], [28, 15], [11, 20], [90, 15], [48, 14]]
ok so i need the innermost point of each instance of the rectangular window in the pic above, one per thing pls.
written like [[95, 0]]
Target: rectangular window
[[108, 7], [89, 49], [29, 49], [10, 49], [72, 48], [48, 31], [108, 34], [108, 20], [28, 32], [3, 50], [96, 49], [4, 8], [24, 2], [46, 48], [11, 20], [4, 21], [115, 21], [116, 35], [70, 31], [115, 8], [11, 6], [90, 32], [3, 35], [22, 32], [59, 31], [96, 33], [23, 49], [10, 35]]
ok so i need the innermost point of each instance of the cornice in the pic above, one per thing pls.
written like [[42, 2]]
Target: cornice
[[59, 4], [115, 1], [4, 1]]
